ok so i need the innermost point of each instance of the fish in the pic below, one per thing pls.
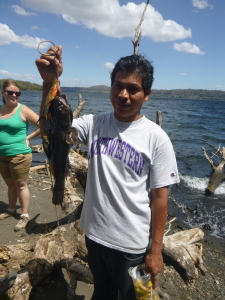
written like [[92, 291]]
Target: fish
[[57, 137]]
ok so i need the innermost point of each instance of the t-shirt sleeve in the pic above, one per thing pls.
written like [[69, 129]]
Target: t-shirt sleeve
[[83, 125], [163, 170]]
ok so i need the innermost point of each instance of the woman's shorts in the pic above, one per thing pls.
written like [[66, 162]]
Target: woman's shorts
[[15, 167]]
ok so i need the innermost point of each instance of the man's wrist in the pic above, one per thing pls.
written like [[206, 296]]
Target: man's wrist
[[155, 247]]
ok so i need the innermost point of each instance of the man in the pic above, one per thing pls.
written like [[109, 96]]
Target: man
[[131, 165]]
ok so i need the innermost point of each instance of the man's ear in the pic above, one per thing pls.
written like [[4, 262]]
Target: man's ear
[[147, 95]]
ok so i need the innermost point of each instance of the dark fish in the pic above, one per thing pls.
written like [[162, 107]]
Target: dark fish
[[56, 121], [59, 125]]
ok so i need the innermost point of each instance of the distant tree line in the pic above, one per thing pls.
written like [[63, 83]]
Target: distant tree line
[[25, 85], [189, 94], [163, 94]]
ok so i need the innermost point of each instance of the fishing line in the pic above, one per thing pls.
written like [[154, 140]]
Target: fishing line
[[50, 54], [58, 216], [62, 244]]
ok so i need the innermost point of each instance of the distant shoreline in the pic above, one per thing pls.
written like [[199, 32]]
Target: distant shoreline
[[193, 94]]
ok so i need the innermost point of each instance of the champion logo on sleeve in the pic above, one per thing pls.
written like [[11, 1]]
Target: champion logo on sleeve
[[173, 174]]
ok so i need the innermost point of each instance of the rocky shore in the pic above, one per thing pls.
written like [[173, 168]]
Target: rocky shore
[[171, 286]]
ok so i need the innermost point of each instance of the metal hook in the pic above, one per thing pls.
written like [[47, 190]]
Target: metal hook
[[51, 54]]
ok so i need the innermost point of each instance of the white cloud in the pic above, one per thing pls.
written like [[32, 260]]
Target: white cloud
[[183, 74], [202, 4], [221, 87], [111, 19], [109, 65], [21, 11], [7, 36], [35, 28], [187, 48], [5, 74], [17, 76]]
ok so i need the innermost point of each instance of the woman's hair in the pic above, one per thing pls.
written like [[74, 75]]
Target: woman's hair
[[6, 83], [135, 64]]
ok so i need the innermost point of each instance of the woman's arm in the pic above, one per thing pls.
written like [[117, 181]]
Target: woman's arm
[[29, 116], [33, 134]]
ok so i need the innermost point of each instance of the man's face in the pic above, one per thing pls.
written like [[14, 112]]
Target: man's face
[[127, 96]]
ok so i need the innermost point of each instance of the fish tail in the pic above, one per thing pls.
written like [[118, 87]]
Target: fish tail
[[58, 195]]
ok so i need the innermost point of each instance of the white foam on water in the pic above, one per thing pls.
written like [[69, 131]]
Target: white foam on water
[[211, 211], [201, 184]]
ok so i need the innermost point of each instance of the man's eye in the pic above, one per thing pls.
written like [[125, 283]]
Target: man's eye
[[133, 90], [117, 85]]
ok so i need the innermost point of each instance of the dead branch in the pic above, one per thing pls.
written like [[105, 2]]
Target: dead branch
[[77, 111], [138, 33], [217, 149], [217, 175], [208, 159]]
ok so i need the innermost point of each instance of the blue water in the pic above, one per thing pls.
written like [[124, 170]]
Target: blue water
[[187, 122]]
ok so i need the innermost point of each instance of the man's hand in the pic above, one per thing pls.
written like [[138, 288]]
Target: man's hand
[[153, 265], [50, 64]]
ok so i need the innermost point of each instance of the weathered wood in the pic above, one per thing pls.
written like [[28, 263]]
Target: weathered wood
[[76, 113], [138, 33], [79, 166], [182, 250], [159, 118], [41, 256], [37, 148], [217, 175], [36, 168]]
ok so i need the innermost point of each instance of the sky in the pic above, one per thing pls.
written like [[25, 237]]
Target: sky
[[184, 40]]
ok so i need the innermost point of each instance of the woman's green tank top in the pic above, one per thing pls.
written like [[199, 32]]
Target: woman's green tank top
[[13, 132]]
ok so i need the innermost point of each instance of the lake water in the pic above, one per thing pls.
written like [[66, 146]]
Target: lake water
[[187, 122]]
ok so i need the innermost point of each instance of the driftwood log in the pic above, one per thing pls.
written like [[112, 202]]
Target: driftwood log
[[184, 253], [55, 249], [35, 260], [217, 175]]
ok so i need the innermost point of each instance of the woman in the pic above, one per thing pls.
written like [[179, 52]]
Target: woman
[[15, 151]]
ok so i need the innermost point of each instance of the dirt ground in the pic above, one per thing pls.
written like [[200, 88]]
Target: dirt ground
[[171, 285], [42, 212]]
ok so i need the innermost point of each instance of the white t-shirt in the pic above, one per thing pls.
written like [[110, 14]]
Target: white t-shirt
[[126, 160]]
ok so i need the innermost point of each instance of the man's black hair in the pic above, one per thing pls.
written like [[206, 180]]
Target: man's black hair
[[135, 64]]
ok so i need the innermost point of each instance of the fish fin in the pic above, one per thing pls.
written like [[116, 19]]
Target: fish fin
[[51, 165]]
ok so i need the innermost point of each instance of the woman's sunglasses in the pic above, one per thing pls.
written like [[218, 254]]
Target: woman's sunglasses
[[10, 93]]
